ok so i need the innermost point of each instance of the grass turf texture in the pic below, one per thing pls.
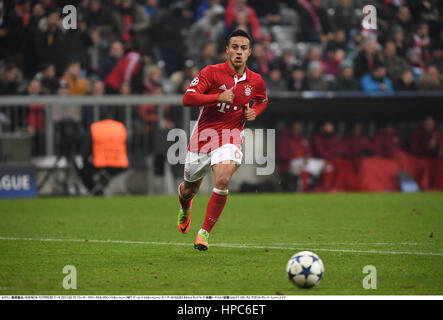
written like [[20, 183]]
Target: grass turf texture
[[393, 232]]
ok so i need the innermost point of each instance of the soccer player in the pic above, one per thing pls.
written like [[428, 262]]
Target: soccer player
[[223, 93]]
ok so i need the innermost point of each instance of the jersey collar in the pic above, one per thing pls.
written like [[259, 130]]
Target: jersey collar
[[233, 73]]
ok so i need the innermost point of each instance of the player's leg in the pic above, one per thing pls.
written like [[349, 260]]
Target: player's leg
[[186, 192], [223, 172], [196, 167]]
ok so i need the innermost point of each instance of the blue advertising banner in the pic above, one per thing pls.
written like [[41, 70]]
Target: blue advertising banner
[[17, 182]]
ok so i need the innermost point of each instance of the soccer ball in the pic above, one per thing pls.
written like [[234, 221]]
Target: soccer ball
[[305, 269]]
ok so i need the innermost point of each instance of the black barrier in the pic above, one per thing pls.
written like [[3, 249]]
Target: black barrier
[[352, 106]]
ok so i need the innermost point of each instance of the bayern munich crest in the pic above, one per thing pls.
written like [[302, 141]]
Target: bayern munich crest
[[248, 90]]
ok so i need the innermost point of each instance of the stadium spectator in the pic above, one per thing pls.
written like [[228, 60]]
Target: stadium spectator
[[345, 17], [151, 7], [338, 174], [49, 43], [208, 55], [16, 24], [274, 81], [30, 67], [205, 5], [428, 11], [49, 5], [332, 63], [395, 65], [123, 72], [338, 41], [258, 60], [132, 23], [377, 80], [401, 45], [367, 58], [414, 62], [302, 165], [314, 77], [148, 60], [267, 11], [149, 115], [153, 79], [314, 55], [387, 142], [386, 13], [346, 81], [285, 155], [327, 144], [301, 146], [404, 21], [181, 79], [266, 41], [422, 41], [431, 79], [425, 140], [169, 27], [437, 55], [356, 144], [77, 42], [10, 80], [406, 82], [77, 85], [99, 16], [241, 22], [97, 90], [314, 21], [209, 29], [35, 119], [125, 89], [286, 63], [114, 55], [48, 79], [235, 6], [297, 81], [96, 52]]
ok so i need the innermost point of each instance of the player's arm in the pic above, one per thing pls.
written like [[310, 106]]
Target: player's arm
[[260, 98], [196, 95], [260, 101], [193, 98]]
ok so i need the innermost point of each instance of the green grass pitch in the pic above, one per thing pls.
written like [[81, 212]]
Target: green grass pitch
[[131, 245]]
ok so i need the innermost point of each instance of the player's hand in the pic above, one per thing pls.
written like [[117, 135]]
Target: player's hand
[[249, 113], [226, 96]]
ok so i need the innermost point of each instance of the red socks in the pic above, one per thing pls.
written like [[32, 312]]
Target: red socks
[[214, 208]]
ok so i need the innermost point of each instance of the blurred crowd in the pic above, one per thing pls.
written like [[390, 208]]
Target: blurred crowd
[[355, 160], [158, 46]]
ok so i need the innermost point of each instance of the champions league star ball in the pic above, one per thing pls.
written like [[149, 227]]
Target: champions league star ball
[[305, 269]]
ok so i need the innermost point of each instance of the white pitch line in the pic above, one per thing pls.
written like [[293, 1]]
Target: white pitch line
[[360, 243], [227, 245]]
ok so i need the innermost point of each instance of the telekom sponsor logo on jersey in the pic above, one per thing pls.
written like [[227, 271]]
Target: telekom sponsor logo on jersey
[[258, 145]]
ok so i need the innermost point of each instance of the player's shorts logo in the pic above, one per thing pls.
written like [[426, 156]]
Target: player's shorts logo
[[194, 82], [248, 90]]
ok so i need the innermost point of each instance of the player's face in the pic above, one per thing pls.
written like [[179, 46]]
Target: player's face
[[238, 51]]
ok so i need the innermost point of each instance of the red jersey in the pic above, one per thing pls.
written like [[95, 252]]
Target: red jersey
[[219, 123], [124, 70]]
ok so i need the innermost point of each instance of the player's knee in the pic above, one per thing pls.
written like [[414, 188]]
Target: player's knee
[[222, 182]]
